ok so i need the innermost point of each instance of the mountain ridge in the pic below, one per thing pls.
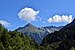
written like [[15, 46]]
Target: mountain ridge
[[64, 38], [36, 33]]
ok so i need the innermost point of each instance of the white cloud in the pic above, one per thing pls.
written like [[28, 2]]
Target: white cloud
[[28, 14], [4, 23], [58, 18]]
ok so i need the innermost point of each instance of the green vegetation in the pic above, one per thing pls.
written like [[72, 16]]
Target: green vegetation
[[12, 40]]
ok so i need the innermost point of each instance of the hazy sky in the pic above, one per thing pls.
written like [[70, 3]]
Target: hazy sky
[[17, 13]]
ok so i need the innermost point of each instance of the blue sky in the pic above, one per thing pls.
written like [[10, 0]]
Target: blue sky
[[9, 10]]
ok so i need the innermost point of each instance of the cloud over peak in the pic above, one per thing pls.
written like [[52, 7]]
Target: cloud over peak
[[58, 18], [28, 14]]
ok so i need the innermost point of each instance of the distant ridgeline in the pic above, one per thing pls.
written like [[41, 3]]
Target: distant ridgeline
[[37, 33]]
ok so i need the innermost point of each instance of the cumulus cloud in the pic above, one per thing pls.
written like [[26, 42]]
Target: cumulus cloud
[[28, 14], [4, 23], [63, 18]]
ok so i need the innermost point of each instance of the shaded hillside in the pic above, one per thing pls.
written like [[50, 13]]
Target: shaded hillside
[[61, 40]]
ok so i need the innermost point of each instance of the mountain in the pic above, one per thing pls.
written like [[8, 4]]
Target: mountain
[[61, 40], [33, 32], [37, 33], [51, 29]]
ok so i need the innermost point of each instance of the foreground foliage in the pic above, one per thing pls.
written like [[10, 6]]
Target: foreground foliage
[[12, 40]]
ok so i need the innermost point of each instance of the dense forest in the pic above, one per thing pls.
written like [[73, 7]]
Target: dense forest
[[59, 40], [13, 40]]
